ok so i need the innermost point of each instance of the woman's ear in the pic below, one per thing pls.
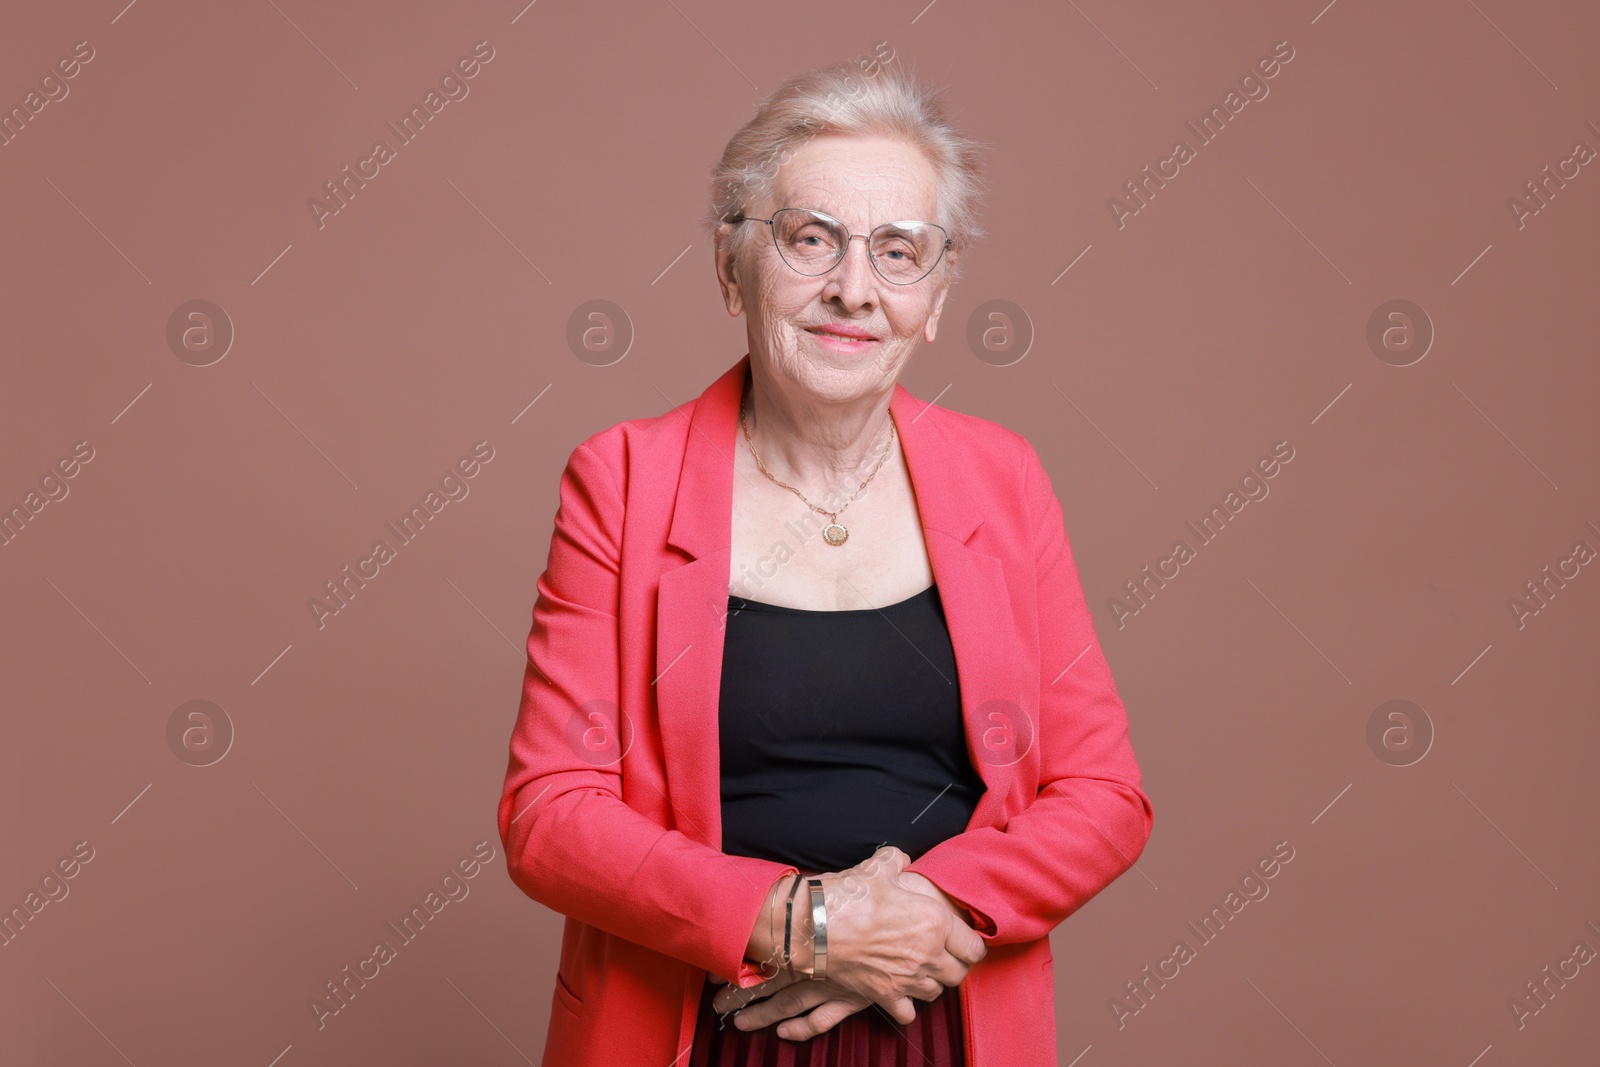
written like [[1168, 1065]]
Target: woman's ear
[[727, 277]]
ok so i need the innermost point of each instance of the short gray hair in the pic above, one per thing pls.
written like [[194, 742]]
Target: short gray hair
[[848, 97]]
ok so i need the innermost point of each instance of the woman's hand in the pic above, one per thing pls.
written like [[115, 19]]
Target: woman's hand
[[891, 936], [919, 883], [889, 940], [802, 1007]]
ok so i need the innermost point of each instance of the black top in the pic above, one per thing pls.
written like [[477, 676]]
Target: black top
[[841, 731]]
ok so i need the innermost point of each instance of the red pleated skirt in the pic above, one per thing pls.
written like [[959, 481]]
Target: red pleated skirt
[[869, 1038]]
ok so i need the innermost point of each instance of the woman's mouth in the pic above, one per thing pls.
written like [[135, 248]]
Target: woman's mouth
[[842, 342]]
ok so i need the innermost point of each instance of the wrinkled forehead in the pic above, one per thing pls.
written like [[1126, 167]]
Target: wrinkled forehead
[[861, 182]]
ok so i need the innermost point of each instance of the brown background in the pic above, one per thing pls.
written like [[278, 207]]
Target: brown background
[[370, 354]]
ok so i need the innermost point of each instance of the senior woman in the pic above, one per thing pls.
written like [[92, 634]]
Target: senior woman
[[816, 742]]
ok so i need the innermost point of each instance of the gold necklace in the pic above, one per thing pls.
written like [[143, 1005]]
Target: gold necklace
[[834, 533]]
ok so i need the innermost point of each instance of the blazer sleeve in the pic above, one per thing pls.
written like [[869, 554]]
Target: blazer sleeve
[[1090, 819], [572, 843]]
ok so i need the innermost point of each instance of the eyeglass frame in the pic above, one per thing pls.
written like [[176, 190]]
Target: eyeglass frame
[[948, 244]]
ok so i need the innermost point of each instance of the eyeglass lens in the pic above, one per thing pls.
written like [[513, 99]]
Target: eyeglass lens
[[811, 243]]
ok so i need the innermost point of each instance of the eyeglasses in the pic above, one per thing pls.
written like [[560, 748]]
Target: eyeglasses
[[813, 243]]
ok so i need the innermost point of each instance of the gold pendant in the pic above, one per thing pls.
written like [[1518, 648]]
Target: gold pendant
[[834, 534]]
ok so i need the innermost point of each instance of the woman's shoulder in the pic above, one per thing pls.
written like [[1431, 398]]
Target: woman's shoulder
[[645, 437], [983, 444]]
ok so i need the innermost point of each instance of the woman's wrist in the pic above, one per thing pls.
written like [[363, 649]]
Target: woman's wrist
[[765, 949], [799, 958], [803, 957], [794, 927], [788, 910]]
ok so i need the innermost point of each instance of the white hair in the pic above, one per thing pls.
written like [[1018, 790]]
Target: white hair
[[848, 97]]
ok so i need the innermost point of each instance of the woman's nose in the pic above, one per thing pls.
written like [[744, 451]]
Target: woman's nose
[[854, 275]]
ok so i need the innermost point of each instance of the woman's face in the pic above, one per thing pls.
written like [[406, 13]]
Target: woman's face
[[863, 182]]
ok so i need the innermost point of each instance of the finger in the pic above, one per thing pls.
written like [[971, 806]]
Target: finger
[[926, 988], [949, 970], [965, 943], [775, 1010], [844, 988], [948, 976], [795, 1000], [732, 997], [902, 1011], [898, 1008], [818, 1021], [729, 998]]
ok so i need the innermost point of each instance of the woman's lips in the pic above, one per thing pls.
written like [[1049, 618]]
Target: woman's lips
[[842, 343]]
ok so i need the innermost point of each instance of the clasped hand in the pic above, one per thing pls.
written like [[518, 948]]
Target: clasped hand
[[892, 936]]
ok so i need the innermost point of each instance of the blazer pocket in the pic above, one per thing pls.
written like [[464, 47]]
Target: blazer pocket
[[566, 997]]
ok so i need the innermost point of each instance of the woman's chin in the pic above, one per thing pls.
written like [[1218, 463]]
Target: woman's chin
[[829, 374]]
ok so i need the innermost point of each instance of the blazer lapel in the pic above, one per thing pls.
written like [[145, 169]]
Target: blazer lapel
[[997, 705]]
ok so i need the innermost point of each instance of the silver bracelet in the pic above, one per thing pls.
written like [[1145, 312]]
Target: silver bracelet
[[819, 922], [788, 923]]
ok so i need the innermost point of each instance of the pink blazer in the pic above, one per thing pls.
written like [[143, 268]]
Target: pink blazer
[[610, 813]]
